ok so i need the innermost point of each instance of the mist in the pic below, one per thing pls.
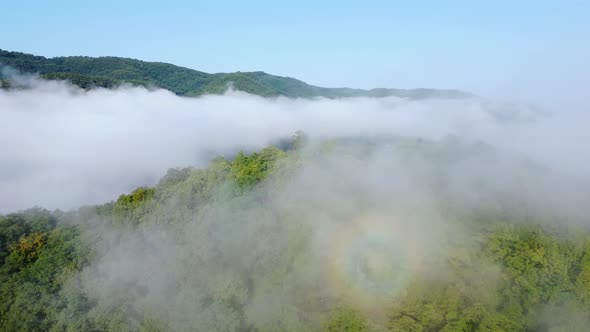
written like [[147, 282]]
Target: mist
[[377, 198], [63, 147], [349, 227]]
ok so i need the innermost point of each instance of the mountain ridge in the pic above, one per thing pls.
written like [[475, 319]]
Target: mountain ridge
[[110, 71]]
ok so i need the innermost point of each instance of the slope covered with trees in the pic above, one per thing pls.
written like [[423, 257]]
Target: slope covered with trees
[[108, 72], [219, 249]]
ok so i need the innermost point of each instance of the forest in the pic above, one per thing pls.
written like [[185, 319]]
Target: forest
[[380, 234], [109, 72]]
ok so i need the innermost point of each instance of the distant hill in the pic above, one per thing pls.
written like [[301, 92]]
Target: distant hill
[[108, 72]]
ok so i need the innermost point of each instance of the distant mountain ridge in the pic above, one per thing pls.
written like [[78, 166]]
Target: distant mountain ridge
[[87, 72]]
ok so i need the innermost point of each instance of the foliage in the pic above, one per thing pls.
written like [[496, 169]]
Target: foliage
[[347, 320], [109, 72], [507, 275], [4, 83], [249, 170], [32, 275], [84, 81], [135, 199], [28, 247]]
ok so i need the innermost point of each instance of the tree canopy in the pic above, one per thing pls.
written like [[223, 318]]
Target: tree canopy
[[504, 275], [109, 72]]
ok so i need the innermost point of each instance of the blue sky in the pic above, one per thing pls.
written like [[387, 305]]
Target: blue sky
[[489, 47]]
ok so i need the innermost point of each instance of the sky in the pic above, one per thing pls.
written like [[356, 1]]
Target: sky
[[512, 49]]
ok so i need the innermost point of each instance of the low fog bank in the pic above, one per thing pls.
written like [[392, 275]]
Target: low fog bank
[[63, 147], [384, 193], [353, 225], [280, 257]]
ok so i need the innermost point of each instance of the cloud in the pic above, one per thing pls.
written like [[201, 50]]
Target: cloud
[[327, 235], [63, 147], [352, 226]]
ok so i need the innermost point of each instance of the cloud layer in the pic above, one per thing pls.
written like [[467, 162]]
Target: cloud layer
[[63, 147], [353, 225]]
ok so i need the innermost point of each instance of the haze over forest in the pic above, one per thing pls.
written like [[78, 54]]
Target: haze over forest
[[145, 196]]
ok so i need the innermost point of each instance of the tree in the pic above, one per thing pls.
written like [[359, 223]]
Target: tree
[[347, 320]]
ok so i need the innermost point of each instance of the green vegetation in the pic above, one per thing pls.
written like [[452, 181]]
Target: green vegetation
[[38, 259], [537, 275], [84, 82], [108, 72], [4, 83], [346, 320], [504, 275]]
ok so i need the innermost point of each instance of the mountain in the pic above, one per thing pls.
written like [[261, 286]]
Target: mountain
[[108, 72]]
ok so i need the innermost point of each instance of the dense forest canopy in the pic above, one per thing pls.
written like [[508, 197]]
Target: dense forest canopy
[[389, 234], [109, 72]]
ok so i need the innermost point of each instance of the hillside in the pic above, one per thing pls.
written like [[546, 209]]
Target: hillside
[[230, 247], [108, 72]]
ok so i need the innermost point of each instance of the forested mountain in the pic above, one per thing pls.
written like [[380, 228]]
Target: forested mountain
[[253, 244], [108, 72]]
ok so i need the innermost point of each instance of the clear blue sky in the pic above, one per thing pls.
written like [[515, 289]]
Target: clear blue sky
[[489, 47]]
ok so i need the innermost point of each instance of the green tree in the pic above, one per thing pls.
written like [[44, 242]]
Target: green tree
[[347, 320]]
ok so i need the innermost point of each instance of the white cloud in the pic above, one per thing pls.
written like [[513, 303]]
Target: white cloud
[[62, 147]]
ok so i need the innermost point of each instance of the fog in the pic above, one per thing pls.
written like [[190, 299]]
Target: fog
[[353, 224], [350, 227], [63, 147]]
